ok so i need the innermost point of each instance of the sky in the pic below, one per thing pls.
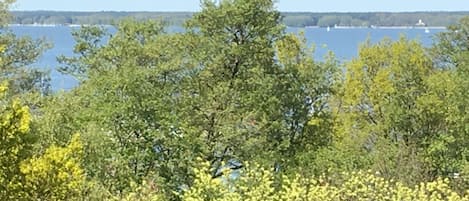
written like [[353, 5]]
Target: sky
[[282, 5]]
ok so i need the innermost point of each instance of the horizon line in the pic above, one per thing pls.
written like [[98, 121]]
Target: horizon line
[[181, 11]]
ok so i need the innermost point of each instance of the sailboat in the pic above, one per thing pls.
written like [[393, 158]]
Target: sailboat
[[328, 29], [427, 30]]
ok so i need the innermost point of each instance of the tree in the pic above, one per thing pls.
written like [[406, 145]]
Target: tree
[[88, 40], [4, 15], [234, 76], [245, 97], [448, 92], [400, 114], [452, 49], [377, 106], [18, 53], [217, 91], [128, 100], [18, 56]]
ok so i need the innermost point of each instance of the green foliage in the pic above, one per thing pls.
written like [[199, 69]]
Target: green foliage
[[448, 92], [248, 97], [18, 56], [4, 15], [95, 18], [233, 108], [88, 40], [125, 109], [400, 115], [160, 100], [452, 47], [328, 21]]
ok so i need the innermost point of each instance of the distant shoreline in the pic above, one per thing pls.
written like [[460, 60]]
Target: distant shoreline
[[55, 25], [291, 19], [306, 27]]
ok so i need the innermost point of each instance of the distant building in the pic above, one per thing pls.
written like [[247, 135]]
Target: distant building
[[420, 23]]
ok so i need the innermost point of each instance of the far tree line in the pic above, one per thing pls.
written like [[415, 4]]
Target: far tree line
[[294, 19]]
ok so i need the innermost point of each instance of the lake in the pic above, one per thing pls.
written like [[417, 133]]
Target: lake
[[344, 42]]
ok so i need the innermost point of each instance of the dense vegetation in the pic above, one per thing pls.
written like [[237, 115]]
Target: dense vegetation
[[289, 18], [437, 19], [103, 18], [234, 108]]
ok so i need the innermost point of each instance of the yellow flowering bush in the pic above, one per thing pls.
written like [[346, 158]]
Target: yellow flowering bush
[[54, 175], [14, 143], [146, 191], [2, 49], [57, 174], [259, 184], [207, 188]]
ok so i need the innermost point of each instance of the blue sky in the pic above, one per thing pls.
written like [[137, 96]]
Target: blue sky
[[283, 5]]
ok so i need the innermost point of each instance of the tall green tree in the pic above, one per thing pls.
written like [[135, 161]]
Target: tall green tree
[[233, 88], [400, 115], [246, 97], [234, 79], [253, 90], [128, 99]]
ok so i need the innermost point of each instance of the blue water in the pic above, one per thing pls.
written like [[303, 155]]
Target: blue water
[[63, 45], [343, 42]]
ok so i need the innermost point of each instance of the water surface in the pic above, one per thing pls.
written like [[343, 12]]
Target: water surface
[[343, 42]]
